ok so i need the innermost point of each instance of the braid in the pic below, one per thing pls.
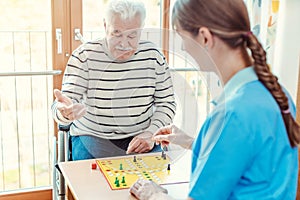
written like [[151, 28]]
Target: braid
[[271, 83]]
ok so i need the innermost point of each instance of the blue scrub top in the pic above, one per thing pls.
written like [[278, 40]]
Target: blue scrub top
[[242, 150]]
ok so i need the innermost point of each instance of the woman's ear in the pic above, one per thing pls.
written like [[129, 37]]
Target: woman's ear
[[104, 24], [205, 37]]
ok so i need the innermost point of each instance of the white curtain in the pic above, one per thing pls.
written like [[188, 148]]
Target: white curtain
[[287, 46], [277, 25], [263, 16]]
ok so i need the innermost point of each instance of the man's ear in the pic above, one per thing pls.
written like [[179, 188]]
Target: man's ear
[[205, 37]]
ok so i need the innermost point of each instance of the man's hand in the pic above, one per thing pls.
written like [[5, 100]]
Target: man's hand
[[172, 134], [141, 143], [148, 190], [67, 108]]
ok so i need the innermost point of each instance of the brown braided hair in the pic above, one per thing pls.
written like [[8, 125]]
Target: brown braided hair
[[271, 83], [228, 20]]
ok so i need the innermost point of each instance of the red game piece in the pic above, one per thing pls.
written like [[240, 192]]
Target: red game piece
[[94, 166]]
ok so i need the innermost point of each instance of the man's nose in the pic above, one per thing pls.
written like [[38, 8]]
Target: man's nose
[[124, 41]]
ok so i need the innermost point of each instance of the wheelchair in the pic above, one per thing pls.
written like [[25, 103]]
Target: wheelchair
[[61, 153]]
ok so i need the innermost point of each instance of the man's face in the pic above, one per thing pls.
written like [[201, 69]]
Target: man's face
[[123, 37]]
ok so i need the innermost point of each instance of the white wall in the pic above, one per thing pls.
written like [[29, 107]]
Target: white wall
[[287, 45]]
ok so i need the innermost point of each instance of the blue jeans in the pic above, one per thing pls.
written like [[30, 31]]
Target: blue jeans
[[89, 147]]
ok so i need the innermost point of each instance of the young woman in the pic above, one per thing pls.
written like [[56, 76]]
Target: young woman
[[246, 149]]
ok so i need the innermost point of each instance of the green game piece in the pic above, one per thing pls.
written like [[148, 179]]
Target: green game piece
[[121, 166], [118, 184], [116, 180], [123, 179]]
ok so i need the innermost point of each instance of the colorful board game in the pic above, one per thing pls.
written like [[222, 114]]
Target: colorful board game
[[121, 173]]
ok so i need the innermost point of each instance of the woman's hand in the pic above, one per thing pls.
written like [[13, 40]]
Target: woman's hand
[[172, 134], [148, 190]]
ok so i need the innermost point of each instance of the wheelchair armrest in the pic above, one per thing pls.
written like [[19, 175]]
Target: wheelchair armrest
[[64, 127], [64, 142]]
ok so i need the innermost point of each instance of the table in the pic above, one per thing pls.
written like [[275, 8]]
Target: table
[[88, 184]]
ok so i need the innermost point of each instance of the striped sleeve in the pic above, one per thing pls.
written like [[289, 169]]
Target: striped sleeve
[[164, 100], [75, 82]]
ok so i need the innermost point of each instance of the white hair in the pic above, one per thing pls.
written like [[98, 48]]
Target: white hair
[[126, 9]]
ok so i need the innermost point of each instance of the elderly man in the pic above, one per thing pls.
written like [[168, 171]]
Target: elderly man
[[116, 91]]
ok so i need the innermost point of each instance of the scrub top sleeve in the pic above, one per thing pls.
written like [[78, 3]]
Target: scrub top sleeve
[[226, 162]]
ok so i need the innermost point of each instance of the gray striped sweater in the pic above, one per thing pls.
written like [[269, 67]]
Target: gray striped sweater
[[122, 98]]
